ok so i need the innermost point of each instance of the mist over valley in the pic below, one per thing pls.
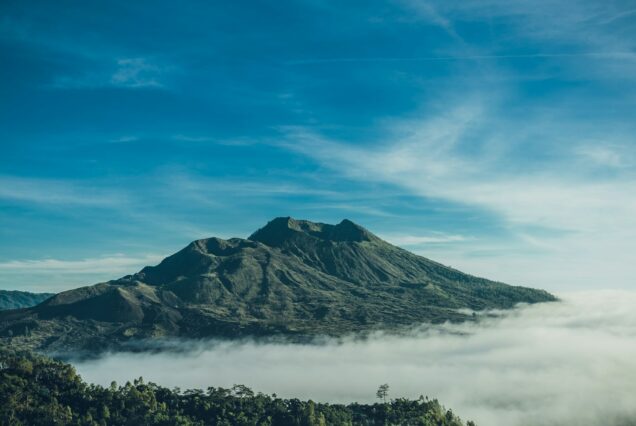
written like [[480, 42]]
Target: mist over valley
[[565, 363]]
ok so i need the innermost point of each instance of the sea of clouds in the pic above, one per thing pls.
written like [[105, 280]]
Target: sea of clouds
[[566, 363]]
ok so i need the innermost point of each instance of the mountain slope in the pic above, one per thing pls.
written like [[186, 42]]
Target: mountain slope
[[292, 277], [12, 299]]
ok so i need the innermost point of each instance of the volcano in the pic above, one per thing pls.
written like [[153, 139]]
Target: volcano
[[292, 278]]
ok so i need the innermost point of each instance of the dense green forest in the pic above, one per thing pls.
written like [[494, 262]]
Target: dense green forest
[[36, 390]]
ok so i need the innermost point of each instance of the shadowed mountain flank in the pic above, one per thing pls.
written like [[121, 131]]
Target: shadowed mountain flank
[[12, 299], [291, 278]]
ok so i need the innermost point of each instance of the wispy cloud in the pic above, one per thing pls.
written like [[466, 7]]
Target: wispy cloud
[[112, 264], [54, 275], [464, 57], [219, 141], [574, 21], [124, 139], [202, 187], [127, 73], [429, 159], [97, 63], [429, 12], [608, 155], [416, 240], [620, 15], [58, 192], [577, 30], [136, 73]]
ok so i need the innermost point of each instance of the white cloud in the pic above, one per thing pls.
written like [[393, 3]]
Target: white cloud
[[536, 19], [619, 15], [592, 218], [414, 240], [603, 155], [428, 12], [547, 364], [136, 72], [130, 73], [596, 36], [117, 263], [58, 191], [124, 139], [55, 275], [427, 161]]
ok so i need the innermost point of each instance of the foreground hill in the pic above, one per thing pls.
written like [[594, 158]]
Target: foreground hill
[[35, 390], [10, 299], [293, 278]]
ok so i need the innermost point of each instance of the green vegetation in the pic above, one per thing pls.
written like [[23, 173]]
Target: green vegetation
[[292, 278], [11, 299], [382, 392], [35, 390]]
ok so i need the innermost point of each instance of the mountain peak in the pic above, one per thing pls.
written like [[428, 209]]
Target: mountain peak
[[293, 278], [347, 230], [281, 229]]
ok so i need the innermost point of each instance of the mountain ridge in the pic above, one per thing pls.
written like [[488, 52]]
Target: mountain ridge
[[291, 278], [278, 230], [15, 299]]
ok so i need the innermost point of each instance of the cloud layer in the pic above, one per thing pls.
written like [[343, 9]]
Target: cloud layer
[[564, 363], [54, 275], [108, 264]]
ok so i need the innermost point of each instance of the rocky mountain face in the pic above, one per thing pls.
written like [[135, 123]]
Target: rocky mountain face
[[291, 278], [12, 299]]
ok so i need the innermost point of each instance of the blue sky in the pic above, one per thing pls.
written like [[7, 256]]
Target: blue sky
[[495, 136]]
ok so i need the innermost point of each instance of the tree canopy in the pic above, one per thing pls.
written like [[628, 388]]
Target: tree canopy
[[36, 390]]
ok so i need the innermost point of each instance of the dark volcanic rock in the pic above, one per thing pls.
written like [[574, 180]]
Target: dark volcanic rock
[[291, 278]]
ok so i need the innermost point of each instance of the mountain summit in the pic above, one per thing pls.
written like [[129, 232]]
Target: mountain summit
[[292, 278], [283, 229]]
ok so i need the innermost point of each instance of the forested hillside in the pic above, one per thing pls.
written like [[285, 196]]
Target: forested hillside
[[35, 390]]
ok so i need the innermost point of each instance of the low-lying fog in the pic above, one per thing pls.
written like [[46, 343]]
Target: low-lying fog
[[571, 363]]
